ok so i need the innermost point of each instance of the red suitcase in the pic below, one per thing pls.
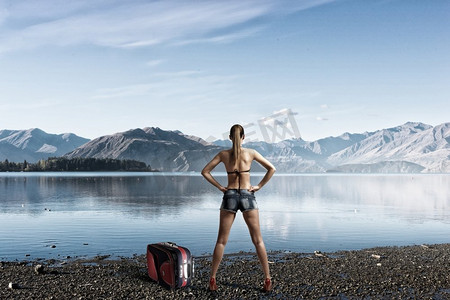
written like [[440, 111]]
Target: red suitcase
[[170, 265]]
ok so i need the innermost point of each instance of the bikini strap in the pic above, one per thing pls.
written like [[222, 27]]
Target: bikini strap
[[238, 173]]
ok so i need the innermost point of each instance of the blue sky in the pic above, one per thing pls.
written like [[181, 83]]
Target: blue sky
[[96, 67]]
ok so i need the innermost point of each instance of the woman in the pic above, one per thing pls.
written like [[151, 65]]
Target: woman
[[239, 194]]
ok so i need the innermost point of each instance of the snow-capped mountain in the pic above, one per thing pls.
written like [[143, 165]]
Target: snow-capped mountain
[[417, 143], [162, 150], [35, 144], [411, 147]]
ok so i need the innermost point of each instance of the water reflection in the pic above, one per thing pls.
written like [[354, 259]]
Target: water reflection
[[135, 194], [416, 192], [347, 211], [121, 212]]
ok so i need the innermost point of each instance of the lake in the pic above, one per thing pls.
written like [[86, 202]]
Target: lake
[[55, 215]]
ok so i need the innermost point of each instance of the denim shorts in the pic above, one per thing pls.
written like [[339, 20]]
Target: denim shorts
[[234, 200]]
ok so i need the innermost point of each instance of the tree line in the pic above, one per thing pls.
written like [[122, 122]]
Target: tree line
[[61, 164]]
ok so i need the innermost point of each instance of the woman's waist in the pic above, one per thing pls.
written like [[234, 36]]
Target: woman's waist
[[237, 192], [239, 184], [242, 187]]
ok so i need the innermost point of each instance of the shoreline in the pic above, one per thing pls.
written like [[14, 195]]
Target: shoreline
[[421, 271]]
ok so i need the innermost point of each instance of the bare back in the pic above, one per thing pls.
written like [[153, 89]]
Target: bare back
[[242, 166], [242, 179]]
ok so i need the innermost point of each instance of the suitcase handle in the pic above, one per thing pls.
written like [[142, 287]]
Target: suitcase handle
[[190, 268], [171, 244]]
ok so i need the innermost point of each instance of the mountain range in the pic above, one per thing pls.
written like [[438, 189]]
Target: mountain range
[[34, 144], [409, 148], [162, 150]]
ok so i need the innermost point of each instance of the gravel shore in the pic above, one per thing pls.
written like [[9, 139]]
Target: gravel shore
[[412, 272]]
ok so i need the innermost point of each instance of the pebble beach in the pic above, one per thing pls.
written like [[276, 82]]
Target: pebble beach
[[411, 272]]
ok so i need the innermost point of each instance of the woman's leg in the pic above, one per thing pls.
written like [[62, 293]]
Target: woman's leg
[[226, 220], [251, 217]]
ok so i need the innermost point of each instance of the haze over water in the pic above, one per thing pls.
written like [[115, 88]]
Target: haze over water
[[88, 214]]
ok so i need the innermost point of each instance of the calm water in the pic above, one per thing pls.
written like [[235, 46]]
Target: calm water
[[88, 214]]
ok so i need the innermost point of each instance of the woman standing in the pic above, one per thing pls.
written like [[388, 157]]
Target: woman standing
[[239, 195]]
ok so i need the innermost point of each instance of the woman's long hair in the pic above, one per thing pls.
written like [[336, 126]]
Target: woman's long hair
[[236, 134]]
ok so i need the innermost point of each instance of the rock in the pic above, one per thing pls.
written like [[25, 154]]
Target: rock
[[53, 246], [405, 273], [39, 269], [13, 286], [319, 254]]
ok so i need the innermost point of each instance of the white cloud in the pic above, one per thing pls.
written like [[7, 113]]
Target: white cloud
[[137, 44], [123, 92], [3, 15], [131, 24], [191, 86], [30, 106], [184, 73], [223, 39], [154, 63], [27, 12]]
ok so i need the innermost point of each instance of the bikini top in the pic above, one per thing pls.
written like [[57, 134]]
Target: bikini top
[[238, 173]]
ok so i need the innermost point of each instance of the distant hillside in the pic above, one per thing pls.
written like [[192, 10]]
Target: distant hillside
[[162, 150], [417, 143], [411, 147], [34, 144]]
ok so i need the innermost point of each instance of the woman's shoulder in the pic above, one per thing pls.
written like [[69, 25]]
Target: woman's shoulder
[[224, 152], [249, 151]]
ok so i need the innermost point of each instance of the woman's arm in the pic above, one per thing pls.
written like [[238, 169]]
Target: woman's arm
[[268, 166], [206, 172]]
